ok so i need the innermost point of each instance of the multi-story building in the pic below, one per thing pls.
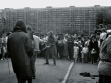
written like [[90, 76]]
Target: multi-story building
[[55, 19]]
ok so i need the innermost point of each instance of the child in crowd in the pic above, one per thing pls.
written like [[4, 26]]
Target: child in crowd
[[85, 53], [75, 51]]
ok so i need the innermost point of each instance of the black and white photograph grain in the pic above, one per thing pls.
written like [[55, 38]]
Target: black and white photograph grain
[[55, 41]]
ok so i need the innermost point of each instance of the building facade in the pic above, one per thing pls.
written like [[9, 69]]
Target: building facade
[[55, 19]]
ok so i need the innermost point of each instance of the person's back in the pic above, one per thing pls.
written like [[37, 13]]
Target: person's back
[[20, 49], [17, 44]]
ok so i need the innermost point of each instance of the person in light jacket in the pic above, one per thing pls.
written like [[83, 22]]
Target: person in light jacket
[[104, 66]]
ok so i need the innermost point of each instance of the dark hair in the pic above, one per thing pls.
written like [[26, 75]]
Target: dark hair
[[29, 31], [79, 37], [29, 28], [50, 34], [20, 25], [8, 33], [93, 36], [103, 30], [98, 33]]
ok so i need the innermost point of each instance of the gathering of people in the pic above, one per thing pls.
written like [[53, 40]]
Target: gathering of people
[[24, 46]]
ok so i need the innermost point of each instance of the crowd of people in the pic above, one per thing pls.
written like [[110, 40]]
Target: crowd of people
[[24, 45], [3, 45], [75, 47], [71, 47]]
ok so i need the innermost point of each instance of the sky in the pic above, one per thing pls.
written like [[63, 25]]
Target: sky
[[16, 4]]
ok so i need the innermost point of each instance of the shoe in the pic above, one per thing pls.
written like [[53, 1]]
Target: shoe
[[46, 63], [92, 77], [81, 74], [54, 65], [72, 60], [97, 82], [86, 74], [1, 59]]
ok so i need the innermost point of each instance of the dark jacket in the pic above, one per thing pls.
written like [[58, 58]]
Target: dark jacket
[[20, 50], [70, 43], [93, 45]]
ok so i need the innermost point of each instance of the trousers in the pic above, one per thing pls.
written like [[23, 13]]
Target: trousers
[[51, 51], [32, 62]]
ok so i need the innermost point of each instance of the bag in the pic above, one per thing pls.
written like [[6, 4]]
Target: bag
[[93, 51]]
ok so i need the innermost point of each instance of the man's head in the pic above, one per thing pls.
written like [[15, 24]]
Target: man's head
[[29, 28], [20, 25], [50, 33], [103, 30]]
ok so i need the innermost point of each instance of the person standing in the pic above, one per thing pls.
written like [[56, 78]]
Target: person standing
[[0, 48], [42, 46], [94, 49], [104, 66], [4, 45], [85, 54], [65, 51], [102, 35], [75, 51], [36, 43], [33, 58], [51, 48], [60, 47], [20, 49], [80, 49], [70, 47]]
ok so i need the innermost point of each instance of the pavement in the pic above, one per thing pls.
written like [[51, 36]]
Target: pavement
[[50, 73], [78, 68], [44, 73]]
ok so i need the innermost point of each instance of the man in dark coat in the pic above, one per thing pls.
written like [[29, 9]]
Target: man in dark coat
[[20, 49], [94, 49], [70, 47]]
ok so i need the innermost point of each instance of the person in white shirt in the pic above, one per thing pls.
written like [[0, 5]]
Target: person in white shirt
[[4, 46], [35, 41], [75, 52], [84, 54], [102, 35]]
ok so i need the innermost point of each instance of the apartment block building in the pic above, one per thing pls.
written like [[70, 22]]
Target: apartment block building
[[55, 19]]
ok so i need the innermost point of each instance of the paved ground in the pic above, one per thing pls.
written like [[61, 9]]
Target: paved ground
[[50, 73], [78, 68], [44, 73]]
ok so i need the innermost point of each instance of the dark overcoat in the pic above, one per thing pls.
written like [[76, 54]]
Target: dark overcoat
[[20, 50]]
